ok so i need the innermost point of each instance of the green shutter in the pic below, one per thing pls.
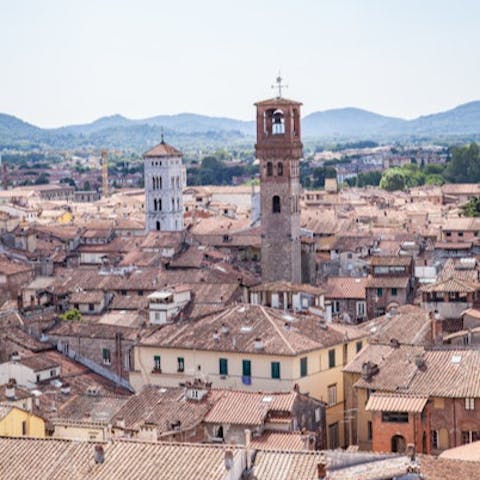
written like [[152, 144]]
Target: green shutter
[[223, 366], [246, 368], [331, 358], [303, 367], [275, 369]]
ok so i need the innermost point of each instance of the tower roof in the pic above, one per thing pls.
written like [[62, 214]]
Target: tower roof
[[163, 150], [277, 102]]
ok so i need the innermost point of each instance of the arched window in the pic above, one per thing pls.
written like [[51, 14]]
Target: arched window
[[173, 204], [279, 169], [159, 204], [269, 169], [276, 204], [159, 182], [158, 225], [278, 124], [154, 183], [155, 204]]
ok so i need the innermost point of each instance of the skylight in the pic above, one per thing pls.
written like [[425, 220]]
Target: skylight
[[456, 358]]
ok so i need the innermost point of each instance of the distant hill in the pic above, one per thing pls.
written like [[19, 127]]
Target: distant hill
[[345, 122], [188, 130]]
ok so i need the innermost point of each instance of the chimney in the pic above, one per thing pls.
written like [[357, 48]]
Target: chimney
[[224, 329], [321, 471], [436, 327], [99, 454], [10, 389], [369, 369], [120, 423], [65, 389], [15, 356], [216, 336], [420, 362], [411, 451], [258, 344], [228, 460], [248, 439]]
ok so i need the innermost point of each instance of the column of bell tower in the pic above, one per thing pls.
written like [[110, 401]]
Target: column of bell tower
[[279, 150]]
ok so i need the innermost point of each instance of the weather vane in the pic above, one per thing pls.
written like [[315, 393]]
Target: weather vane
[[279, 85]]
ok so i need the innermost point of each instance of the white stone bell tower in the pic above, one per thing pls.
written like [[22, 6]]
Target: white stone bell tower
[[165, 178]]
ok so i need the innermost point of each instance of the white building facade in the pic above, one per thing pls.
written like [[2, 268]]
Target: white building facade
[[165, 179]]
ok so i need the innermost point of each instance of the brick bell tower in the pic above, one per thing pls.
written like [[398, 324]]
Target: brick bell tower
[[279, 150]]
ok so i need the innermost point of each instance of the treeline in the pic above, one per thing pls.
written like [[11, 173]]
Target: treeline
[[213, 171]]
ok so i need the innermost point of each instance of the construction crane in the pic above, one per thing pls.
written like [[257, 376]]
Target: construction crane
[[105, 172]]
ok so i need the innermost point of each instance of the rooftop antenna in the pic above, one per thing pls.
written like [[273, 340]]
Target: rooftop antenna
[[279, 85]]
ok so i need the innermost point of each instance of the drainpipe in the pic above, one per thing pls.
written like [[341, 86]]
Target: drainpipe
[[454, 425]]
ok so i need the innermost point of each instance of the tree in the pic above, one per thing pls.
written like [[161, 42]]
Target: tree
[[42, 179], [471, 208], [464, 165], [434, 179], [393, 179], [368, 178], [72, 315]]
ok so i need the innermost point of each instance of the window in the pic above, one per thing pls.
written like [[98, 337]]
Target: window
[[53, 372], [333, 437], [24, 428], [395, 417], [38, 378], [223, 366], [106, 356], [280, 169], [275, 369], [470, 436], [303, 367], [180, 364], [460, 234], [218, 431], [469, 404], [159, 204], [246, 368], [91, 307], [369, 430], [269, 169], [449, 234], [435, 439], [158, 226], [155, 204], [318, 414], [157, 365], [331, 358], [394, 292], [358, 346], [332, 394], [276, 208], [335, 306], [379, 292]]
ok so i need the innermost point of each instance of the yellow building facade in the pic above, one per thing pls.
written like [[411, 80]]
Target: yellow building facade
[[16, 422]]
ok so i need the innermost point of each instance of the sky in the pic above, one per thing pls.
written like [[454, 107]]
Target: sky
[[73, 61]]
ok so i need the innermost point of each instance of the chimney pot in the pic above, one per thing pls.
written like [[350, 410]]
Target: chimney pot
[[321, 471], [99, 454]]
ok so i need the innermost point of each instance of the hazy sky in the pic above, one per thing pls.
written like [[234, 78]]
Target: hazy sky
[[68, 61]]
